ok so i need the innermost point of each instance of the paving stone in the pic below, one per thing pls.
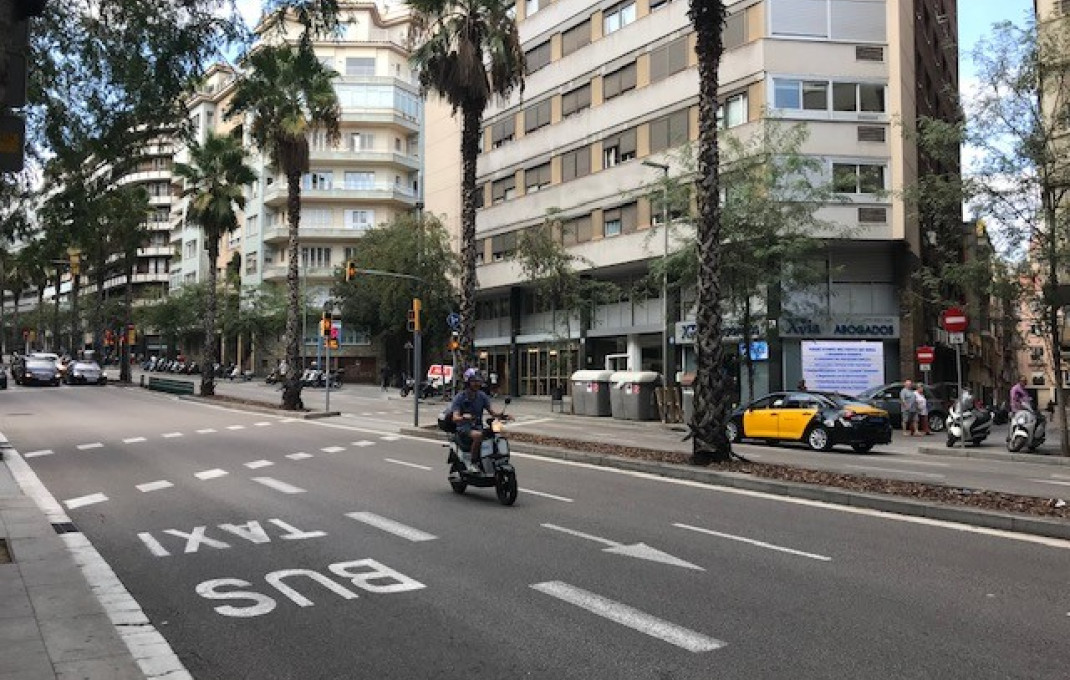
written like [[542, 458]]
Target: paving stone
[[45, 572], [25, 661], [17, 630], [81, 637], [25, 529], [108, 668], [33, 549], [60, 600]]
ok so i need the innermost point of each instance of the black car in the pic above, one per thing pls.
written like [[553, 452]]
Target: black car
[[938, 398], [819, 419], [36, 371]]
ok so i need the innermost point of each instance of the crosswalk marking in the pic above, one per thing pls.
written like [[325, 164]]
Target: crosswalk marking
[[154, 486], [392, 527], [210, 474], [300, 455], [254, 464], [630, 617], [278, 485], [36, 454], [94, 445], [81, 501], [134, 440]]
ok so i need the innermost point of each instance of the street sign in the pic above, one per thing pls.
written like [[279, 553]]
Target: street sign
[[453, 320], [956, 338], [925, 355], [953, 320], [925, 368]]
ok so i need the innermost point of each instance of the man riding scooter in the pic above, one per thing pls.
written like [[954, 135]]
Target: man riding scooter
[[467, 408]]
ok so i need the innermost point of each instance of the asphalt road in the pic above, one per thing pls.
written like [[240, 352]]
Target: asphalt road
[[267, 548]]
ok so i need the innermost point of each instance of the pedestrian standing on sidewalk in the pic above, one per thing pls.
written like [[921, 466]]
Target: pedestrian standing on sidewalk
[[908, 406], [923, 410]]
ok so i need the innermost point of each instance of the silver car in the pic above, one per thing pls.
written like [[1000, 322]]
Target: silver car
[[85, 372]]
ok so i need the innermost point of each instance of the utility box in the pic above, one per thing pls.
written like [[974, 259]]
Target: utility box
[[632, 395], [590, 393]]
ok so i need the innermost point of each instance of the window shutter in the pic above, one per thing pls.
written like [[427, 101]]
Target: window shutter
[[858, 20], [734, 33], [627, 77], [575, 38], [537, 57], [677, 128], [611, 85], [677, 53], [583, 161], [629, 219], [659, 63], [659, 134], [627, 142], [799, 17]]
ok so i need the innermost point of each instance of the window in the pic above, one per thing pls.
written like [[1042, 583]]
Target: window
[[835, 19], [502, 132], [361, 141], [655, 5], [809, 95], [316, 217], [576, 100], [575, 38], [314, 258], [622, 220], [618, 82], [734, 33], [360, 66], [481, 247], [317, 180], [668, 59], [360, 219], [576, 164], [250, 263], [618, 148], [852, 178], [480, 196], [360, 180], [865, 97], [191, 250], [538, 56], [537, 116], [617, 17], [732, 112], [503, 189], [502, 246], [577, 230], [536, 178], [668, 131], [815, 95]]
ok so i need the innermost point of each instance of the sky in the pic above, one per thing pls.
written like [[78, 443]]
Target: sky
[[975, 21]]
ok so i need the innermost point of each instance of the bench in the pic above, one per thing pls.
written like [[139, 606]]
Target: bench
[[170, 385]]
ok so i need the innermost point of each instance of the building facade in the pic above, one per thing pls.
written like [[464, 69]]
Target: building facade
[[614, 84]]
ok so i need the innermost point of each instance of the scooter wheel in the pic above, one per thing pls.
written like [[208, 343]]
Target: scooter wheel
[[506, 488], [1016, 443], [951, 441]]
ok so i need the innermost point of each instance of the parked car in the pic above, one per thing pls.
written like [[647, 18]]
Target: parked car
[[37, 371], [18, 361], [938, 398], [84, 372], [821, 420]]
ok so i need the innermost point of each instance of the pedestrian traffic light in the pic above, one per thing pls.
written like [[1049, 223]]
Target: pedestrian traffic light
[[351, 270], [325, 325], [414, 316]]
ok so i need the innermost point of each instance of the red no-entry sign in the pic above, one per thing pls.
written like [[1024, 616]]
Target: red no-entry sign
[[953, 320], [926, 355]]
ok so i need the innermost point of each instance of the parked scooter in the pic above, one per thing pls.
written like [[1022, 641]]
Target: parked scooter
[[1027, 430], [966, 422], [427, 390], [494, 467]]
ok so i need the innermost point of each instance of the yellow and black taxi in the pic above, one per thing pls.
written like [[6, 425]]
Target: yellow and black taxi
[[820, 420]]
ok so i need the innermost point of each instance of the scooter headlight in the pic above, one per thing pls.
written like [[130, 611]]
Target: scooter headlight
[[496, 426]]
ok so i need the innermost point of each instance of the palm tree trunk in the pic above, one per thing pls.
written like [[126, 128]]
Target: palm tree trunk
[[470, 132], [128, 319], [41, 313], [291, 393], [55, 314], [710, 441], [208, 359]]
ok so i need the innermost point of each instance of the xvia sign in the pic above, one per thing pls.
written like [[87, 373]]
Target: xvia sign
[[850, 327]]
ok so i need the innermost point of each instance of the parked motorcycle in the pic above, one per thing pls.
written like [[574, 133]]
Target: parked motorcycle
[[494, 468], [966, 422], [1027, 430], [427, 390]]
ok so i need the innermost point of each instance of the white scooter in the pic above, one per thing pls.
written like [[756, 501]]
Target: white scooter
[[1027, 430], [966, 422]]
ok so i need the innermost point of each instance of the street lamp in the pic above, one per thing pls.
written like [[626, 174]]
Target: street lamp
[[666, 368]]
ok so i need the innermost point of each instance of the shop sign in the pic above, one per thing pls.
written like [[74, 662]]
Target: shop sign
[[686, 331], [848, 327]]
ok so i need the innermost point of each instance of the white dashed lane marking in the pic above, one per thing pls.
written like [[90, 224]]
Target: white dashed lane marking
[[210, 474], [134, 440], [254, 464], [262, 423], [300, 455], [277, 485], [389, 438], [171, 435], [36, 454], [333, 449], [366, 414], [392, 527], [154, 486], [206, 430], [548, 495], [81, 501], [412, 465], [363, 443], [235, 427], [94, 445]]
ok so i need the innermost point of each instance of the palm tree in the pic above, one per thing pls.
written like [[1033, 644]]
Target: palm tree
[[709, 439], [215, 181], [469, 51], [288, 94]]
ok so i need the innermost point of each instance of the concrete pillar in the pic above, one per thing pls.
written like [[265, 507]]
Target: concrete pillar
[[635, 353]]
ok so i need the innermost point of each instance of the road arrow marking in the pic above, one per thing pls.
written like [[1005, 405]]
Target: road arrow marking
[[751, 541], [639, 550], [392, 527], [630, 617]]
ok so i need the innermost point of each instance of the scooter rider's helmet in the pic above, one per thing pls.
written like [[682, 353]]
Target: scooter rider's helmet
[[472, 375]]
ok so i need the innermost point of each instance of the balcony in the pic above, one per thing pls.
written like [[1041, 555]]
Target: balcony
[[277, 273], [280, 233], [366, 157], [145, 176], [379, 192], [379, 115]]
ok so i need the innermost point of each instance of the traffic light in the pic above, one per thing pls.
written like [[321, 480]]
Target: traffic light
[[332, 340], [351, 270], [414, 316], [454, 343], [325, 325]]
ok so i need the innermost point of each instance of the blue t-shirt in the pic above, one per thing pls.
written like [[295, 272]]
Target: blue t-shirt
[[465, 402]]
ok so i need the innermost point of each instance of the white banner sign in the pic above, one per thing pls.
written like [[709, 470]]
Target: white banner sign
[[847, 367]]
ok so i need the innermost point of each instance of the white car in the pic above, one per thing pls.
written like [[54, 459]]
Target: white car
[[84, 372]]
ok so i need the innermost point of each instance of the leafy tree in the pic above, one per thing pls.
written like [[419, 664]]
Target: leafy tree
[[176, 317], [287, 94], [412, 245], [215, 181], [468, 52]]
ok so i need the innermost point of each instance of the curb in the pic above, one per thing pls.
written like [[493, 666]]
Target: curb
[[902, 506], [269, 410], [981, 454]]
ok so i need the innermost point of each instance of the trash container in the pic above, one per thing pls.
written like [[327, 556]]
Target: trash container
[[590, 393], [632, 395], [687, 384]]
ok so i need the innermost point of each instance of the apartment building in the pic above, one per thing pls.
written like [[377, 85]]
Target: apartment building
[[371, 177], [614, 83]]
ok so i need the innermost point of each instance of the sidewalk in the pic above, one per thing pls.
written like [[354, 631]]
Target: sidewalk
[[52, 625]]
